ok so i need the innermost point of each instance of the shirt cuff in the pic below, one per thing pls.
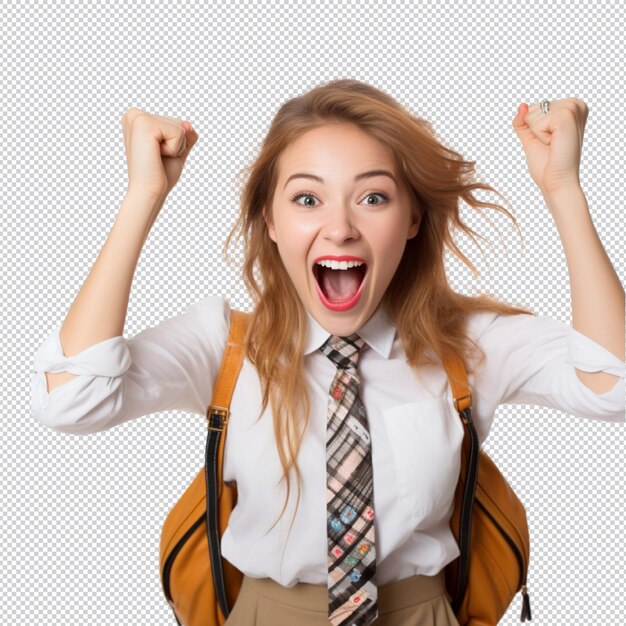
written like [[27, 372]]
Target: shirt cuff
[[589, 356], [110, 357]]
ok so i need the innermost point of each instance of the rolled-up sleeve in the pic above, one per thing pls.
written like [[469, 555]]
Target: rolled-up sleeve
[[171, 366], [532, 359]]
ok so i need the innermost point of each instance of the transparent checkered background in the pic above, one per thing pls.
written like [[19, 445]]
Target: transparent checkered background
[[81, 516]]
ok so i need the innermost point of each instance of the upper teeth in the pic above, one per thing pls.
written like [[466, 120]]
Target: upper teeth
[[339, 265]]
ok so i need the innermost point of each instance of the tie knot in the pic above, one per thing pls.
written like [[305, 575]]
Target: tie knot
[[343, 351]]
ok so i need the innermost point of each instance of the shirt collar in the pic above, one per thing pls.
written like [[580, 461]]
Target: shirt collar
[[379, 332]]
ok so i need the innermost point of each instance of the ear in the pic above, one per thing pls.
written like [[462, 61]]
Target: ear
[[415, 224], [270, 226]]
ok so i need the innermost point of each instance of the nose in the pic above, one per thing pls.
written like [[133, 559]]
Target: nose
[[340, 225]]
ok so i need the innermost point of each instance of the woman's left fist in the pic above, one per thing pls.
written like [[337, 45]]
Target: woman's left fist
[[552, 142]]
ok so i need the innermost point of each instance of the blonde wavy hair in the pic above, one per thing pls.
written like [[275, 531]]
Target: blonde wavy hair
[[428, 314]]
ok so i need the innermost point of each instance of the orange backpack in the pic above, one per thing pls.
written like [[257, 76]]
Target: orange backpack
[[488, 521]]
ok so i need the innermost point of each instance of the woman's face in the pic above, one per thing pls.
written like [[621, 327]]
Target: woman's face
[[337, 211]]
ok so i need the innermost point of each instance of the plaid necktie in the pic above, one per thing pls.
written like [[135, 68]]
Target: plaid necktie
[[352, 591]]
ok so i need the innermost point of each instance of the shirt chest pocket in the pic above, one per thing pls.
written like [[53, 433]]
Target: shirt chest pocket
[[425, 444]]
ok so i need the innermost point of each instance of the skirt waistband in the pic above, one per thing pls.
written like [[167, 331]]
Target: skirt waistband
[[393, 596]]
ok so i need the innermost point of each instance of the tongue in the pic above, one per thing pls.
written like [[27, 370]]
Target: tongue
[[340, 284]]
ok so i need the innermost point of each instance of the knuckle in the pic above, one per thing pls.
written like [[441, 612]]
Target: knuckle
[[133, 113], [141, 121]]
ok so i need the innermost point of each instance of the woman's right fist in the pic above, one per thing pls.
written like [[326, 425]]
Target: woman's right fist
[[156, 151]]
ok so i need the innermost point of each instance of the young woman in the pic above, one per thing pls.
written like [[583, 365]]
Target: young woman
[[345, 217]]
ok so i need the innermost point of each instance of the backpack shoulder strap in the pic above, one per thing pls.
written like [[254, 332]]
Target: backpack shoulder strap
[[231, 364], [220, 499], [457, 375], [218, 412]]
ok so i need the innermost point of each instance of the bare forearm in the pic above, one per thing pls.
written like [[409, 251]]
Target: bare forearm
[[598, 305], [99, 309]]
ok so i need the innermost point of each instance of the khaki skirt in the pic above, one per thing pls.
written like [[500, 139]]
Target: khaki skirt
[[415, 601]]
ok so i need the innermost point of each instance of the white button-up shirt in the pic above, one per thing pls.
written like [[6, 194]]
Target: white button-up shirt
[[415, 430]]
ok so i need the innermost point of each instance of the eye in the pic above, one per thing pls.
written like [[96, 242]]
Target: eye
[[308, 194], [377, 193], [303, 194]]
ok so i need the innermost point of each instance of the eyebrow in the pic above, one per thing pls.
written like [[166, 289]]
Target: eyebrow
[[356, 178]]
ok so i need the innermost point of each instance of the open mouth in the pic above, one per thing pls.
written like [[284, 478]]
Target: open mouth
[[339, 286]]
